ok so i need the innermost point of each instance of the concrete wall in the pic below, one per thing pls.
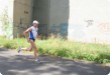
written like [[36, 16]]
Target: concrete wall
[[59, 15], [53, 16], [22, 15], [89, 21], [86, 21], [41, 13]]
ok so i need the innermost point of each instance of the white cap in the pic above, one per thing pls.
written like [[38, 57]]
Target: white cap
[[35, 21]]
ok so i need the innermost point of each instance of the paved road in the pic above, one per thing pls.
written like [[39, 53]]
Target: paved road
[[12, 63]]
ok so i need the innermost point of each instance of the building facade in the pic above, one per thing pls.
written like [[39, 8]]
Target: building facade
[[85, 21]]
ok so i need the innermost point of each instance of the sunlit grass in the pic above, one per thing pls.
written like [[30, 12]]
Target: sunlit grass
[[59, 47]]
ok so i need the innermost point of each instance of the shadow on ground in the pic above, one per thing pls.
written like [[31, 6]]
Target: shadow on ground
[[13, 64]]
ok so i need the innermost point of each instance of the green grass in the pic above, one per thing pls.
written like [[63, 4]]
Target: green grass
[[59, 47]]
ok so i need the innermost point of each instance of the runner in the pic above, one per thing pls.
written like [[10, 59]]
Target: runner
[[33, 32]]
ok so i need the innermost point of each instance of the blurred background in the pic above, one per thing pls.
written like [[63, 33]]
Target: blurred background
[[76, 20]]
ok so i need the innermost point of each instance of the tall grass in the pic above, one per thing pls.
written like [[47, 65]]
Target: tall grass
[[59, 47]]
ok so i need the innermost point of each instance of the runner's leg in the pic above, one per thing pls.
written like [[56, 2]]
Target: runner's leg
[[26, 49], [30, 48], [35, 49]]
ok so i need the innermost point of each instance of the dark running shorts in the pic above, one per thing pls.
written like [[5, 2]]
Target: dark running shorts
[[32, 39]]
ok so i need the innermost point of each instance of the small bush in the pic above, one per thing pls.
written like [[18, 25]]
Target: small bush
[[8, 45]]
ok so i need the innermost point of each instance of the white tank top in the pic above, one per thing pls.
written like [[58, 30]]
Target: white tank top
[[33, 34]]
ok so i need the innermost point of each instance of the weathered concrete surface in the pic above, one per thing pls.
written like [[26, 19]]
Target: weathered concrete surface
[[12, 63], [89, 21], [23, 10], [85, 21], [41, 13]]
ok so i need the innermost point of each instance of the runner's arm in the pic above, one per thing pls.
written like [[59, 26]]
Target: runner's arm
[[26, 32]]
